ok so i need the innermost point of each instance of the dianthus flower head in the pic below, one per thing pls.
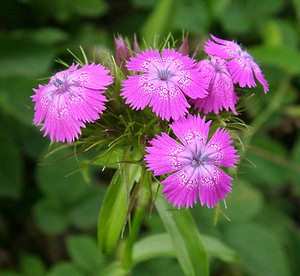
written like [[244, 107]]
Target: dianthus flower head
[[194, 162], [71, 98], [241, 65], [221, 94], [164, 82]]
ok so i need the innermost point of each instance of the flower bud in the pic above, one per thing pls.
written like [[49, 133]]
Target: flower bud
[[136, 46], [184, 48], [122, 52]]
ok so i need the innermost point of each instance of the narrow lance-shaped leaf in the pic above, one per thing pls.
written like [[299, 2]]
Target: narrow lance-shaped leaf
[[114, 208], [185, 237]]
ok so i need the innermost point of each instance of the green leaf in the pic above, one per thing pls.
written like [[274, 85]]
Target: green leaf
[[144, 3], [296, 4], [217, 249], [49, 217], [49, 35], [32, 265], [192, 16], [235, 21], [263, 8], [160, 245], [185, 237], [9, 273], [284, 58], [296, 173], [114, 269], [278, 33], [271, 164], [84, 212], [160, 20], [114, 209], [85, 253], [110, 159], [11, 171], [293, 110], [260, 250], [244, 202], [65, 10], [58, 177], [64, 269], [91, 8], [240, 16], [15, 92], [31, 59]]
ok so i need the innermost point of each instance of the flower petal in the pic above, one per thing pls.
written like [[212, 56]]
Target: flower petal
[[222, 48], [176, 60], [168, 101], [191, 83], [85, 104], [214, 184], [241, 72], [164, 155], [59, 124], [219, 149], [182, 188], [92, 76], [138, 91], [191, 130], [260, 77], [142, 62], [221, 94]]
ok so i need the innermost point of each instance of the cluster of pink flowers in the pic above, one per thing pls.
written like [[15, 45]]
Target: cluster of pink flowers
[[168, 83]]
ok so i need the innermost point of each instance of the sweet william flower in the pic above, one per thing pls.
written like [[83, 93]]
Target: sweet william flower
[[241, 65], [195, 162], [163, 83], [221, 94], [70, 99]]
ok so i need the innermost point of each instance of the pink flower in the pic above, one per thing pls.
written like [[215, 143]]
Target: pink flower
[[164, 82], [71, 98], [221, 92], [241, 64], [195, 162]]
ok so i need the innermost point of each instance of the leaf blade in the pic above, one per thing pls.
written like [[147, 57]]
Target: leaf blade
[[185, 237], [113, 212]]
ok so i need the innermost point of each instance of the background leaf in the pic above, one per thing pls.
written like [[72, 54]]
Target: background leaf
[[160, 20], [85, 253], [11, 170], [160, 245], [261, 254]]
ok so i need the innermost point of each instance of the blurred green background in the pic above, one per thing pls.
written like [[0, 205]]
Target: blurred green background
[[48, 213]]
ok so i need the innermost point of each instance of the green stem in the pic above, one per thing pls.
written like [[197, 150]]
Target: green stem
[[137, 219], [135, 227]]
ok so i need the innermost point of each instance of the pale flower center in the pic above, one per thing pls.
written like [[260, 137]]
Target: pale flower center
[[61, 85], [200, 160], [164, 74]]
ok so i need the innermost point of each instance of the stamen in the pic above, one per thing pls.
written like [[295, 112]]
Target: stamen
[[164, 74], [58, 82], [196, 162]]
